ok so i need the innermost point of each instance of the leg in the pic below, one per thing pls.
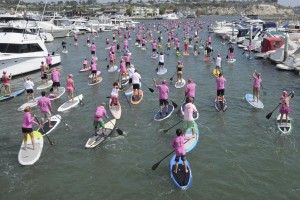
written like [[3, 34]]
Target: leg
[[25, 141], [257, 93], [49, 121], [185, 167], [281, 116], [253, 94], [32, 140], [286, 118]]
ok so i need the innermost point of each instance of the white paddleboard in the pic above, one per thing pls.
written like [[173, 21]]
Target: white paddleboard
[[259, 104], [30, 156], [65, 51], [220, 106], [45, 85], [55, 120], [162, 71], [112, 69], [284, 127], [69, 104], [107, 48], [57, 93], [115, 112], [31, 103], [155, 56], [231, 60], [99, 79], [180, 84], [97, 74]]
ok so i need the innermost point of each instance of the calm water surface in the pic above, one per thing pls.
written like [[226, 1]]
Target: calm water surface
[[240, 155]]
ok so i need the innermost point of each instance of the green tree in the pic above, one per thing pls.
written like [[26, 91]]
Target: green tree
[[129, 11]]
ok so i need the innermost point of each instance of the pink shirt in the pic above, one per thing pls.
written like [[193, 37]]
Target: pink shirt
[[178, 145], [163, 91], [55, 76], [189, 109], [44, 104], [154, 45], [113, 48], [111, 56], [28, 120], [127, 58], [85, 62], [99, 113], [48, 60], [257, 82], [220, 83], [69, 84], [190, 90], [93, 47], [94, 66]]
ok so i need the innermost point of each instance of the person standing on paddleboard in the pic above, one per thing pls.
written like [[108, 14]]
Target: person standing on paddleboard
[[256, 85], [85, 64], [136, 81], [249, 48], [6, 84], [188, 119], [94, 71], [179, 71], [114, 95], [75, 39], [49, 61], [44, 75], [45, 108], [127, 60], [70, 87], [123, 70], [63, 44], [163, 95], [55, 78], [161, 61], [285, 106], [218, 62], [88, 40], [221, 88], [131, 71], [98, 118], [178, 145], [231, 52], [190, 90], [29, 89], [93, 49], [28, 120]]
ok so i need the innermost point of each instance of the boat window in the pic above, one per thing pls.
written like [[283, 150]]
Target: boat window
[[35, 48], [19, 48]]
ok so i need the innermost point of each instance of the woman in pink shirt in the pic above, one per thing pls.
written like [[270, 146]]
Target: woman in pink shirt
[[285, 106], [123, 69], [178, 145], [49, 61], [188, 119], [256, 85], [100, 112], [163, 95], [94, 71], [127, 60], [70, 87], [75, 39], [28, 120], [93, 49], [85, 64], [55, 78], [6, 84], [154, 46]]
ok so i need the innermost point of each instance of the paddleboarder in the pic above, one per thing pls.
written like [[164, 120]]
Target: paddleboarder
[[163, 95], [6, 84], [114, 95], [88, 40], [178, 145], [28, 120], [70, 87], [94, 71], [154, 46], [190, 90], [131, 71], [256, 85], [55, 78], [249, 48], [63, 44], [136, 81], [85, 64], [231, 52], [221, 88], [93, 49], [179, 68], [218, 62], [127, 59], [188, 119], [44, 75], [98, 118], [75, 39], [49, 61], [29, 89], [45, 108], [161, 61], [285, 106]]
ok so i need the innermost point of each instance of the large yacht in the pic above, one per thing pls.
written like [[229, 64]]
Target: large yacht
[[171, 16], [22, 52]]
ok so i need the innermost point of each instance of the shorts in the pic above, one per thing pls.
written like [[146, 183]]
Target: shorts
[[163, 102], [136, 86], [56, 84], [285, 110], [45, 76], [130, 80], [27, 130], [93, 52], [94, 71], [87, 41], [161, 63], [221, 92], [153, 50], [188, 124], [143, 45], [29, 91], [98, 123], [231, 55], [127, 63], [49, 65], [177, 48], [183, 158], [46, 115], [75, 39], [114, 38]]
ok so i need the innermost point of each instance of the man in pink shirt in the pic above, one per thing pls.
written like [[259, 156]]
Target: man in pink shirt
[[163, 95], [127, 60], [93, 49], [190, 90], [45, 108], [220, 87], [28, 120], [98, 118], [49, 61], [188, 119], [55, 78]]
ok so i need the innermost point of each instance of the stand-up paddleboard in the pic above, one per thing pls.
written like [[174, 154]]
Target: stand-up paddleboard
[[55, 120], [191, 144], [107, 48], [65, 51], [85, 69], [186, 54], [181, 179], [99, 138], [136, 43], [57, 93], [124, 82], [162, 71], [112, 69], [13, 95], [249, 98], [248, 56], [115, 112], [89, 45], [164, 115], [283, 126], [69, 104], [30, 156], [205, 59], [231, 60], [138, 98], [129, 91], [143, 48], [154, 56], [97, 74], [216, 72], [98, 80], [220, 105], [180, 84], [31, 103], [178, 54], [195, 114], [45, 85], [191, 46]]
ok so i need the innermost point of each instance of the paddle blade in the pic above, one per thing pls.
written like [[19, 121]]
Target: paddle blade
[[293, 94], [156, 69], [174, 104], [171, 79], [166, 130], [119, 131], [155, 165], [269, 115], [151, 90]]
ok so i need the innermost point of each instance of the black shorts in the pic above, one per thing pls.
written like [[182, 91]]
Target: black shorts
[[143, 45], [153, 50], [136, 86], [29, 91], [163, 102], [27, 130], [75, 39], [182, 158], [56, 84], [45, 76], [220, 92], [127, 63], [177, 48], [161, 63], [130, 80], [88, 41], [114, 38], [49, 65], [93, 52], [94, 71]]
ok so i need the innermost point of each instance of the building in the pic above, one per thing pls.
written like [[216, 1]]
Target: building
[[144, 11]]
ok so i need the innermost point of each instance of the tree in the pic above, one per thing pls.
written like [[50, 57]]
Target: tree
[[129, 11]]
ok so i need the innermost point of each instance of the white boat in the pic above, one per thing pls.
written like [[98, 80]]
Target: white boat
[[171, 16], [269, 46], [22, 52], [56, 31], [291, 62]]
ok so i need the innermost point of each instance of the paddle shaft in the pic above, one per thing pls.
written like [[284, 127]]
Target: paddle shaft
[[173, 76], [119, 131], [44, 131], [67, 125], [172, 126], [150, 89], [127, 100]]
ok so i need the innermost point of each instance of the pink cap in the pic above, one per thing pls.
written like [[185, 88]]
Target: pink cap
[[71, 75], [190, 80], [4, 72], [284, 93], [259, 74], [164, 82]]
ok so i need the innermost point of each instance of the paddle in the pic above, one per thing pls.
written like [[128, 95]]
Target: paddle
[[172, 126], [43, 131], [268, 116], [119, 131], [67, 125], [171, 79], [174, 104], [150, 89], [156, 164], [80, 100]]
